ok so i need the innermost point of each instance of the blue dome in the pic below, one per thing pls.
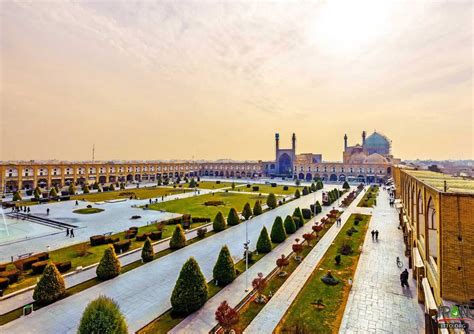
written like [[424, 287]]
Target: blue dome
[[377, 143]]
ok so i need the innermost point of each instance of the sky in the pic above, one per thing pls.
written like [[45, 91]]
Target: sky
[[217, 79]]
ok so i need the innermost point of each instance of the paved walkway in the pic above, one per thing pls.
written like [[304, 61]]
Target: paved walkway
[[377, 303], [203, 320], [144, 293], [269, 318]]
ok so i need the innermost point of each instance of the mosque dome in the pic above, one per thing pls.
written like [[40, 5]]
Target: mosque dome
[[357, 158], [375, 158], [377, 143]]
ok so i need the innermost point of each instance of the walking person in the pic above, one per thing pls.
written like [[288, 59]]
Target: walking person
[[373, 234], [72, 233], [47, 212], [376, 235], [404, 278], [67, 232]]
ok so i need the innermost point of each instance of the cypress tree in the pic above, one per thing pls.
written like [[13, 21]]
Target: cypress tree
[[264, 245], [17, 196], [272, 201], [219, 223], [290, 226], [224, 269], [148, 254], [247, 211], [37, 193], [85, 189], [319, 184], [278, 233], [299, 214], [190, 291], [297, 193], [192, 184], [72, 189], [319, 208], [178, 240], [109, 265], [53, 192], [313, 187], [111, 187], [305, 191], [233, 217], [102, 315], [346, 185], [257, 208], [50, 287]]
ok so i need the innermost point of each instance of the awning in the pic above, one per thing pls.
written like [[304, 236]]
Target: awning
[[430, 305], [398, 206], [398, 201], [418, 260], [408, 227], [405, 220]]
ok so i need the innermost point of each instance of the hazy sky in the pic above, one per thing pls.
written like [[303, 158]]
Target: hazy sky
[[177, 79]]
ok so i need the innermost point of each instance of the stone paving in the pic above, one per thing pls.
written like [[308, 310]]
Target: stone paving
[[144, 293], [203, 320], [377, 303], [115, 218]]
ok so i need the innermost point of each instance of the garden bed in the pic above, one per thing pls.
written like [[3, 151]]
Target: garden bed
[[88, 211], [370, 197]]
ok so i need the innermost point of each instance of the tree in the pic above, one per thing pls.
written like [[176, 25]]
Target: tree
[[122, 186], [290, 226], [37, 192], [297, 248], [297, 193], [305, 191], [102, 315], [309, 237], [299, 214], [278, 233], [346, 185], [319, 208], [111, 187], [224, 269], [264, 245], [85, 189], [257, 208], [297, 182], [219, 223], [53, 192], [178, 240], [17, 196], [95, 186], [190, 291], [192, 184], [148, 254], [319, 184], [233, 185], [50, 287], [233, 217], [272, 201], [109, 266], [226, 316], [259, 283], [281, 263], [72, 189], [313, 187], [247, 211]]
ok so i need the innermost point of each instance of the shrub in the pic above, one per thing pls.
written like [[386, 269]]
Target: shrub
[[247, 211], [50, 287], [297, 221], [213, 203], [346, 186], [290, 226], [4, 282], [319, 184], [53, 192], [63, 266], [226, 316], [282, 262], [257, 208], [271, 201], [178, 240], [97, 240], [102, 315], [72, 189], [148, 254], [122, 246], [255, 188], [109, 265], [12, 275], [264, 245], [25, 264], [38, 267], [219, 223], [299, 214], [329, 279], [200, 220], [313, 187], [42, 256], [224, 269], [285, 187], [111, 187], [297, 193], [17, 196], [233, 217], [337, 259], [278, 233], [190, 291], [305, 191], [156, 235], [201, 232], [345, 248], [306, 213]]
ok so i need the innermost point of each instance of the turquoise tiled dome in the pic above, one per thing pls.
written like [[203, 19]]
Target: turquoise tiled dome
[[377, 143]]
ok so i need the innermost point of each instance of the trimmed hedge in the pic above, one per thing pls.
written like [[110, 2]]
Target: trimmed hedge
[[219, 223], [200, 220], [224, 269], [25, 264], [63, 266], [122, 246], [148, 254], [102, 315], [178, 240], [109, 266], [271, 201], [97, 240], [50, 287], [38, 267], [264, 245], [307, 214], [12, 275], [289, 224], [257, 208], [156, 235], [278, 233], [4, 282], [233, 217]]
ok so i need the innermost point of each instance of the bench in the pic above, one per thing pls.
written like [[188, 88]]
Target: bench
[[22, 256], [107, 234]]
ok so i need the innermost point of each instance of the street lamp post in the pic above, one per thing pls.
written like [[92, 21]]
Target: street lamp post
[[246, 248]]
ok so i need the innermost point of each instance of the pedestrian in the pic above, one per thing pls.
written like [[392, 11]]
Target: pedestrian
[[404, 278], [149, 201], [77, 203], [67, 232], [72, 233], [29, 210], [376, 235], [373, 234], [47, 211]]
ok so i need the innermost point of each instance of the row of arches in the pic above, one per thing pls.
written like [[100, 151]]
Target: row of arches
[[340, 177]]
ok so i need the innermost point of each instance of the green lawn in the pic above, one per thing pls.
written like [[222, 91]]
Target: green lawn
[[369, 198], [214, 185], [266, 189], [303, 313], [140, 193], [195, 205], [88, 211]]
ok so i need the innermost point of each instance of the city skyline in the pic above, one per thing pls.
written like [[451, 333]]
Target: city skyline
[[218, 80]]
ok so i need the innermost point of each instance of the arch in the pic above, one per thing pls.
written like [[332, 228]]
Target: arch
[[333, 177], [432, 229], [301, 176], [112, 179], [389, 171], [421, 219], [342, 177], [102, 179], [206, 173], [129, 178], [12, 186], [138, 177], [325, 177], [309, 177], [361, 178], [284, 164], [370, 179]]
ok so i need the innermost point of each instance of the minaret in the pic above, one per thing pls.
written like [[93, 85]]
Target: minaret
[[293, 143], [345, 142], [363, 138], [277, 144]]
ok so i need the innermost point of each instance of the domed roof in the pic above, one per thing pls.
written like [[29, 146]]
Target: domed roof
[[357, 158], [377, 143], [375, 159]]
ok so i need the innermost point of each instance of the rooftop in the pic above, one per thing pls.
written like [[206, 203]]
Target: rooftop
[[436, 180]]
